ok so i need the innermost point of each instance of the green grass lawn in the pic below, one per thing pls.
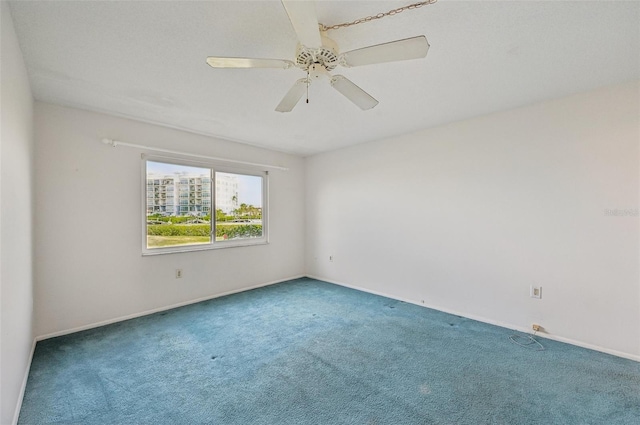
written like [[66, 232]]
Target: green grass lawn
[[160, 241]]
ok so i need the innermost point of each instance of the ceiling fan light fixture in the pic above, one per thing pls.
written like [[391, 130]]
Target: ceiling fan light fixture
[[317, 71]]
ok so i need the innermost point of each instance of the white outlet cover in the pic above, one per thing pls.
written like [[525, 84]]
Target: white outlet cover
[[535, 292]]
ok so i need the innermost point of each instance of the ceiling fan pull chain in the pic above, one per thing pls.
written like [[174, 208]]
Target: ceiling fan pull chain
[[381, 15], [308, 85]]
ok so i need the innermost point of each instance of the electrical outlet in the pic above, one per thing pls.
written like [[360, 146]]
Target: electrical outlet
[[535, 292], [536, 328], [178, 273]]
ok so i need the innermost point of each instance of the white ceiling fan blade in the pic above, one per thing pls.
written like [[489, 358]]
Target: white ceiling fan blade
[[352, 92], [302, 15], [217, 62], [399, 50], [293, 96]]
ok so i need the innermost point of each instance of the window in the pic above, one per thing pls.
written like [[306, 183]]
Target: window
[[192, 206]]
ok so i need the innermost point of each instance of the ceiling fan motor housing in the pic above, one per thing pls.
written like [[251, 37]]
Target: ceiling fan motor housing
[[325, 55]]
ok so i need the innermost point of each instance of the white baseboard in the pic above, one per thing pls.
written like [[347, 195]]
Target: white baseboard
[[16, 413], [489, 321], [159, 309]]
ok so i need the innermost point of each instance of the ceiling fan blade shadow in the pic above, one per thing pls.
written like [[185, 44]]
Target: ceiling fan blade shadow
[[361, 98], [293, 96], [218, 62], [304, 20], [399, 50]]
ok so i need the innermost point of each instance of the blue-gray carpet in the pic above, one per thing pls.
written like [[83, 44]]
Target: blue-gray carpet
[[309, 352]]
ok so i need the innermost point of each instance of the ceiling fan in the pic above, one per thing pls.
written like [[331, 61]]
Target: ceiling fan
[[317, 55]]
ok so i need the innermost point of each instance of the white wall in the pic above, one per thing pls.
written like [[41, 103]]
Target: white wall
[[467, 216], [16, 218], [88, 227]]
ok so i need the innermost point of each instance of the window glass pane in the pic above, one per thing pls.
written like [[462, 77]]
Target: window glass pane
[[238, 206], [178, 205]]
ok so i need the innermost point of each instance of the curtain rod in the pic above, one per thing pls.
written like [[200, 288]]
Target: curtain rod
[[115, 143]]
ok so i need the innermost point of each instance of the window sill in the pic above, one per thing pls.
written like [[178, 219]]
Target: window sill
[[196, 248]]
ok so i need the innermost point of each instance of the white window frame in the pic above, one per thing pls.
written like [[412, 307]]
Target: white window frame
[[214, 167]]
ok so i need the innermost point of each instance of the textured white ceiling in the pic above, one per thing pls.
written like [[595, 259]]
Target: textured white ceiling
[[146, 60]]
